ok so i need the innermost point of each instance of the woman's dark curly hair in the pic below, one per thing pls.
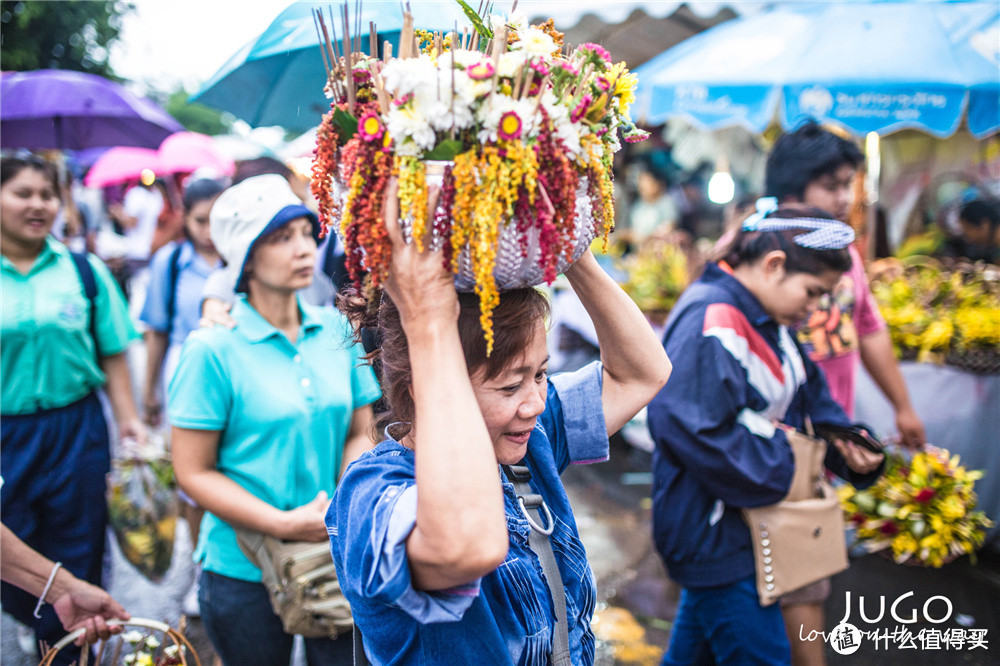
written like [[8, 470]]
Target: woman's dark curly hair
[[515, 321]]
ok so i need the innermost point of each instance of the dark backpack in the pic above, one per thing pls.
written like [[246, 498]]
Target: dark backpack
[[89, 281], [173, 274]]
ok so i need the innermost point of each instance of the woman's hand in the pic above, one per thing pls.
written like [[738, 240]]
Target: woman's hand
[[419, 283], [307, 522], [215, 312], [859, 459], [133, 429], [80, 605]]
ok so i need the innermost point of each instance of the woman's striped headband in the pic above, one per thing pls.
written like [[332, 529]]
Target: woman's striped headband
[[821, 234]]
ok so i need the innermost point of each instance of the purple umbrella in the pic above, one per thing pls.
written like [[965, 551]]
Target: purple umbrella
[[62, 109]]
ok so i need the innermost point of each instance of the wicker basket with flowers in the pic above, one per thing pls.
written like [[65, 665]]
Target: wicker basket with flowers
[[517, 131]]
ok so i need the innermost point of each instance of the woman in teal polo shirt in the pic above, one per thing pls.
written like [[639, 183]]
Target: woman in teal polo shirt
[[265, 417], [55, 355]]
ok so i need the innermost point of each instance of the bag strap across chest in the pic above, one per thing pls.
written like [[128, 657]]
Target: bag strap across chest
[[542, 523]]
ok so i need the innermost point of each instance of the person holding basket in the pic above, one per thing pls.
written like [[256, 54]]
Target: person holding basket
[[435, 532]]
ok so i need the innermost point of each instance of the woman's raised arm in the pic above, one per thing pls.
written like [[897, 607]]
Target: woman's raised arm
[[461, 531], [635, 365]]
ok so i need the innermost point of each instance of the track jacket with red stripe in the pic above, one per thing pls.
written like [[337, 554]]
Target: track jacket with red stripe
[[735, 371]]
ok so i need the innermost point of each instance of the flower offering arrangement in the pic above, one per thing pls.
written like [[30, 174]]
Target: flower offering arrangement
[[940, 314], [517, 131], [657, 276], [923, 509]]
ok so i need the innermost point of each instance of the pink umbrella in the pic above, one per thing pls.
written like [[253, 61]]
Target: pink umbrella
[[121, 164], [183, 152]]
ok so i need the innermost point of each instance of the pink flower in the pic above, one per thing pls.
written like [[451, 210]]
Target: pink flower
[[370, 127], [924, 496], [481, 71], [510, 126], [581, 108], [602, 83], [597, 50], [566, 66], [539, 66]]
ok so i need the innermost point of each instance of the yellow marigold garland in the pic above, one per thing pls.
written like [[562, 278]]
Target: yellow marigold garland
[[605, 185], [413, 196]]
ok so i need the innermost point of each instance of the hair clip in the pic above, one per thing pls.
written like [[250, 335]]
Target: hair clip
[[765, 206]]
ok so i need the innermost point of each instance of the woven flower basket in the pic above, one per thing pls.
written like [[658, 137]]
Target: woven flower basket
[[113, 648], [518, 258]]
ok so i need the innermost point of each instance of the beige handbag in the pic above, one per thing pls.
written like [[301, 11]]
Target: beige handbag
[[799, 540], [302, 583]]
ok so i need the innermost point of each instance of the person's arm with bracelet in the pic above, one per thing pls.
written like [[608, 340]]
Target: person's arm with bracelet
[[78, 604], [636, 366], [217, 297], [195, 453]]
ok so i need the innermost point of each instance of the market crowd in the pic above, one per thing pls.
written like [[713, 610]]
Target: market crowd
[[385, 429]]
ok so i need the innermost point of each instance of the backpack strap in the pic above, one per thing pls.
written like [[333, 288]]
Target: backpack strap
[[89, 281], [173, 274], [538, 540]]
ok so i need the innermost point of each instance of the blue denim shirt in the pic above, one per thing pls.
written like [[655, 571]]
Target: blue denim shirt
[[505, 617]]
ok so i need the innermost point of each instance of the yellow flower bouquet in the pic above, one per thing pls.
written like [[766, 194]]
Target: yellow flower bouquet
[[657, 275], [941, 315], [923, 509]]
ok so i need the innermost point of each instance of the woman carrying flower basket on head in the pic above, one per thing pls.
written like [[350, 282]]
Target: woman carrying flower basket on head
[[265, 417], [719, 427], [434, 552]]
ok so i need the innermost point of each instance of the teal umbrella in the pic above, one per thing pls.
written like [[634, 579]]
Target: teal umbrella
[[278, 78], [867, 66]]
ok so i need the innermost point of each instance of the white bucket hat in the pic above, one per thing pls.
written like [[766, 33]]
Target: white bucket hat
[[246, 212]]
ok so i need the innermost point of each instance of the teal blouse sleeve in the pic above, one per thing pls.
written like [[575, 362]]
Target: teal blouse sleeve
[[200, 396]]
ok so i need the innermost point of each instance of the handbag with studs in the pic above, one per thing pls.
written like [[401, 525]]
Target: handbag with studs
[[799, 540]]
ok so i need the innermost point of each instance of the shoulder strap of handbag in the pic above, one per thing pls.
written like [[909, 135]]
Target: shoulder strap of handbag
[[89, 281], [538, 541]]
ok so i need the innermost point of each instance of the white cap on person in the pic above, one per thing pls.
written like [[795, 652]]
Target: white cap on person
[[247, 212]]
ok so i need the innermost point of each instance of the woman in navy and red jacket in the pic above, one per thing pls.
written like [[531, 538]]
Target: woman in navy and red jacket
[[739, 374]]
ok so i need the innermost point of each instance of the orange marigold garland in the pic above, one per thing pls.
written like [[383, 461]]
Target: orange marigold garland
[[324, 170]]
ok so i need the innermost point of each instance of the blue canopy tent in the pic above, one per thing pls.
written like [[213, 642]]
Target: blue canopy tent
[[278, 78], [866, 66]]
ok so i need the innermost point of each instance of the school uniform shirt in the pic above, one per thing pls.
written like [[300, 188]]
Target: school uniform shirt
[[192, 271], [505, 617], [48, 355], [283, 411], [735, 371]]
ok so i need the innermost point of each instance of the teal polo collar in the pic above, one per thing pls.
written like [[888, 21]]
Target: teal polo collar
[[257, 329], [51, 251]]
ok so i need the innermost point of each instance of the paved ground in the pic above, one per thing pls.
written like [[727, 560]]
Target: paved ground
[[637, 602]]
